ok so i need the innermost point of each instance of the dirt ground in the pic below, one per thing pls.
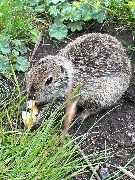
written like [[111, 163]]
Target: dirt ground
[[116, 129]]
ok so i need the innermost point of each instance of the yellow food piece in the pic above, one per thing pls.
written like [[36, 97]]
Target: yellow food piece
[[29, 118]]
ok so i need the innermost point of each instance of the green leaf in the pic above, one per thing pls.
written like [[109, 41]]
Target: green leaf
[[4, 42], [15, 53], [16, 42], [54, 1], [66, 12], [34, 2], [58, 31], [40, 9], [100, 17], [4, 63], [21, 49], [5, 50], [34, 35], [54, 11], [4, 45], [75, 14], [77, 25], [71, 13], [86, 12], [21, 64]]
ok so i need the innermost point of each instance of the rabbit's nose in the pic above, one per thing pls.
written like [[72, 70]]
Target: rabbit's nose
[[31, 93]]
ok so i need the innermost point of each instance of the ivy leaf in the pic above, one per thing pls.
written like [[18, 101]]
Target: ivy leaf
[[21, 64], [4, 63], [58, 31], [77, 25]]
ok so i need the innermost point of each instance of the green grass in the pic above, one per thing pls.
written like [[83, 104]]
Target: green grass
[[41, 154], [15, 18]]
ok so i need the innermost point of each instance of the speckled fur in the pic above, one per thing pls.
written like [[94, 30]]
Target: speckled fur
[[78, 60]]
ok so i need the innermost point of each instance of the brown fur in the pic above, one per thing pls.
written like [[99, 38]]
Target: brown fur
[[78, 60]]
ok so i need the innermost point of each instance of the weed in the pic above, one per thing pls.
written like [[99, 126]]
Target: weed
[[12, 52], [15, 18], [67, 15]]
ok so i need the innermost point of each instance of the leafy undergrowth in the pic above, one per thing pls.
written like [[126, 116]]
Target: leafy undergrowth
[[54, 17], [46, 153], [41, 154]]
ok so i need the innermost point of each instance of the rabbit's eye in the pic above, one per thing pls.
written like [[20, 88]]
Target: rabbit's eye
[[48, 81], [62, 69]]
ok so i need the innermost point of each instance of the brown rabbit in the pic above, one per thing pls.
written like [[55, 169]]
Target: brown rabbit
[[77, 61]]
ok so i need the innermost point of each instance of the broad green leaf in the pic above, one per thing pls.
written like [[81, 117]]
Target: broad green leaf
[[16, 42], [4, 45], [5, 50], [100, 17], [54, 1], [75, 14], [4, 63], [4, 42], [71, 13], [21, 49], [86, 12], [34, 35], [54, 11], [77, 25], [66, 12], [15, 53], [40, 9], [21, 64], [58, 31]]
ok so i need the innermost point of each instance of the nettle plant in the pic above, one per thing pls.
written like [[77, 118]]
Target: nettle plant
[[12, 52]]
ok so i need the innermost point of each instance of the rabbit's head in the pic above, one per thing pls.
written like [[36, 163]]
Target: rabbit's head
[[48, 77]]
